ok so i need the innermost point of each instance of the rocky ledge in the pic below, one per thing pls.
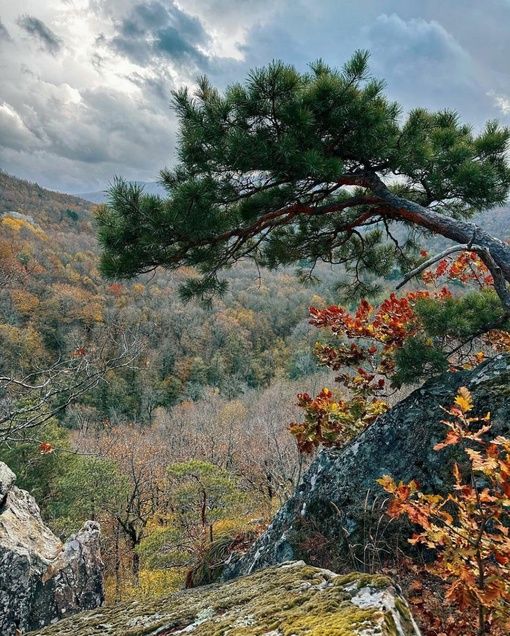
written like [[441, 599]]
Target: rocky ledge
[[41, 579], [336, 518], [290, 599]]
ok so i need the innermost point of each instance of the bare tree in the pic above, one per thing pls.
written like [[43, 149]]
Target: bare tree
[[28, 401]]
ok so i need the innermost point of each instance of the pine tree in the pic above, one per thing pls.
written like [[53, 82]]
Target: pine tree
[[296, 167]]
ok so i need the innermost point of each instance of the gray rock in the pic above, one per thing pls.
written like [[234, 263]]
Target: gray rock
[[41, 579], [292, 598], [7, 479], [336, 518]]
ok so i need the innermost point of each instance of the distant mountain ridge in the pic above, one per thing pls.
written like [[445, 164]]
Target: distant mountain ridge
[[100, 196]]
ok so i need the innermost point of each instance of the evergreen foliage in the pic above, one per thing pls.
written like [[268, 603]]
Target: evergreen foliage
[[291, 168]]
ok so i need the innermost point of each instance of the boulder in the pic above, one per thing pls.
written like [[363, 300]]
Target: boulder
[[41, 579], [336, 518], [290, 599]]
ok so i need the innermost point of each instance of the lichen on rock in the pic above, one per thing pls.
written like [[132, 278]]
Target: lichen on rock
[[292, 599]]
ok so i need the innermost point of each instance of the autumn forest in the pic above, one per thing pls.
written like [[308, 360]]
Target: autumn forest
[[179, 425], [165, 402]]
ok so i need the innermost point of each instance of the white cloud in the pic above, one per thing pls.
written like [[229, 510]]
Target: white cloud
[[502, 103], [15, 134], [94, 101], [425, 65]]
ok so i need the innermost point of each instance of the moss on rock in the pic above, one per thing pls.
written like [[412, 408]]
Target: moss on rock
[[292, 599]]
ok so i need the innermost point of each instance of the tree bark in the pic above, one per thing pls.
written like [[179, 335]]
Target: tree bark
[[497, 257]]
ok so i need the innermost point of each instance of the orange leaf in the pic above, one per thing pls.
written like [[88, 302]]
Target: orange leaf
[[501, 558], [451, 438]]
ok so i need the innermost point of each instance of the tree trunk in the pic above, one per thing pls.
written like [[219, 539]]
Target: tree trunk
[[136, 567], [117, 563], [497, 258]]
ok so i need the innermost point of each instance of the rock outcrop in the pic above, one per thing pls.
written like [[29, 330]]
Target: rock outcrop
[[292, 598], [336, 519], [41, 579]]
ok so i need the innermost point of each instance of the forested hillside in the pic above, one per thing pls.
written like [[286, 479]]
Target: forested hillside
[[167, 422], [195, 384], [100, 196], [52, 292], [50, 209]]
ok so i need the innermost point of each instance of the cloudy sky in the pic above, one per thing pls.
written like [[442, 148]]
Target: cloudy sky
[[85, 84]]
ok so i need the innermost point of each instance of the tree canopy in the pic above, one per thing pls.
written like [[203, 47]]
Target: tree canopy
[[293, 167]]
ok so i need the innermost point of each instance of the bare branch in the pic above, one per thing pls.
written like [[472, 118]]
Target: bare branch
[[500, 284], [28, 402], [437, 257]]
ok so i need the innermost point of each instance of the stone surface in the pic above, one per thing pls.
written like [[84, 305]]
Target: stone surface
[[7, 479], [41, 579], [290, 599], [336, 518]]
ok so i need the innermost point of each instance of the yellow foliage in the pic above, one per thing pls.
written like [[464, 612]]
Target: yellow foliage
[[24, 301], [318, 301], [245, 317], [230, 526], [464, 400], [70, 302], [498, 340], [71, 274], [156, 291], [6, 251], [158, 583], [16, 225], [155, 523], [22, 343], [233, 411], [152, 584]]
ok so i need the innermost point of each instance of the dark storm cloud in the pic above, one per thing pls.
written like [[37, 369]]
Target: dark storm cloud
[[77, 118], [4, 34], [37, 29], [161, 31]]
